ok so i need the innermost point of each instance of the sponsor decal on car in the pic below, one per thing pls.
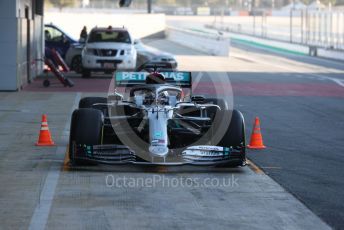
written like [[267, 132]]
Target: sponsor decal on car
[[157, 141], [141, 76], [206, 151], [157, 134]]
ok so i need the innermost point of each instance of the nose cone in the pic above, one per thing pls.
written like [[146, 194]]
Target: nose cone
[[158, 151]]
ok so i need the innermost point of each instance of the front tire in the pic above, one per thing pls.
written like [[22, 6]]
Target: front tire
[[235, 133], [87, 102], [86, 73], [86, 128], [235, 137], [77, 64]]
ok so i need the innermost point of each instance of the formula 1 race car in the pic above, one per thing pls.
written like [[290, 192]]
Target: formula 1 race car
[[155, 121]]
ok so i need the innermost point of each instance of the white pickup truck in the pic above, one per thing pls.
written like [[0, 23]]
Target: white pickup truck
[[108, 49]]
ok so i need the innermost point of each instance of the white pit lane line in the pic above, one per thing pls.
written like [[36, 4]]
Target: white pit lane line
[[40, 216]]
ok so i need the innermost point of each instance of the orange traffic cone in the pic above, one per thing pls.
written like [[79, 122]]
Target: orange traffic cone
[[256, 137], [44, 135]]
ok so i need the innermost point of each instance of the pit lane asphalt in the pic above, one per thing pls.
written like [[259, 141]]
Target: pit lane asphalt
[[299, 100], [83, 200], [305, 134]]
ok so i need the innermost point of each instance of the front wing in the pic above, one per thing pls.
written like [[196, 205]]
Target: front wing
[[195, 155]]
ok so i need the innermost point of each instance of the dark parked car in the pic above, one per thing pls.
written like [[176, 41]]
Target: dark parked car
[[68, 47], [147, 55], [57, 39]]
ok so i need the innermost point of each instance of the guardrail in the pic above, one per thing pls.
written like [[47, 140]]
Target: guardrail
[[283, 46], [322, 28], [211, 44]]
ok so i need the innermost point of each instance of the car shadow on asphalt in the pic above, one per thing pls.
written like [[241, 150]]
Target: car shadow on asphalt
[[155, 169]]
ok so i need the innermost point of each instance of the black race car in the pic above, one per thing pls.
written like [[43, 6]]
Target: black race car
[[156, 120]]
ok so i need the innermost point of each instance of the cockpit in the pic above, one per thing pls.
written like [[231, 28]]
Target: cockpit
[[156, 95]]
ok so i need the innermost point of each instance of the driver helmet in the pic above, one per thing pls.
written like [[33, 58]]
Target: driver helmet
[[155, 78]]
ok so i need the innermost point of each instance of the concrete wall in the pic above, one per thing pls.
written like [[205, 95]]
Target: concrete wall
[[21, 43], [285, 47], [267, 43], [8, 45], [281, 46], [204, 42]]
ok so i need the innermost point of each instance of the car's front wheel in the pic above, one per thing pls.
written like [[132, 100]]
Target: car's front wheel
[[235, 133], [86, 128], [77, 64], [235, 137]]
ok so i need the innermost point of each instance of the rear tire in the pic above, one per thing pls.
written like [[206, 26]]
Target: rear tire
[[87, 102], [86, 73], [212, 111], [235, 133], [109, 72], [86, 128]]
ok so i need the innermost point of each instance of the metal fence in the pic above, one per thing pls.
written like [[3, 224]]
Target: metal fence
[[313, 28]]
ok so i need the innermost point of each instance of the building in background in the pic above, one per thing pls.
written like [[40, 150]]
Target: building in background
[[21, 42]]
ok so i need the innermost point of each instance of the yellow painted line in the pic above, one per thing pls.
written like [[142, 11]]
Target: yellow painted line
[[161, 169], [254, 167], [271, 167], [65, 167]]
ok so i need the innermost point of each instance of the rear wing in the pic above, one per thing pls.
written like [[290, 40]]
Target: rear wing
[[127, 79]]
